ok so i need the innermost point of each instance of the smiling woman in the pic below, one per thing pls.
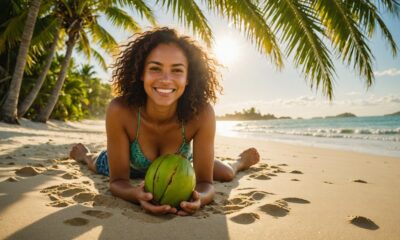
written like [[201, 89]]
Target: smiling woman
[[227, 50]]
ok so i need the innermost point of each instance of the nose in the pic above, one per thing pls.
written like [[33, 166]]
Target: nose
[[166, 76]]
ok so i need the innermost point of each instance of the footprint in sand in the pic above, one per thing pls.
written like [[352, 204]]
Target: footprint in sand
[[256, 195], [12, 179], [278, 209], [296, 172], [71, 176], [66, 194], [294, 180], [260, 176], [363, 222], [245, 218], [28, 171], [241, 201], [327, 182], [76, 221], [359, 181], [97, 214], [296, 200]]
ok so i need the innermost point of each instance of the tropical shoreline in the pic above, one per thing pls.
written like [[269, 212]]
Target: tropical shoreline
[[298, 191]]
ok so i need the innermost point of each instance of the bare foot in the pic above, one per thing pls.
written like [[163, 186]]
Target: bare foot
[[80, 153], [248, 158]]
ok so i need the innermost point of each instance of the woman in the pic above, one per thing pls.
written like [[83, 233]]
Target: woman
[[165, 83]]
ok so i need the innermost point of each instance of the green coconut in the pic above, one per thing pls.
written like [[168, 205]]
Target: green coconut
[[171, 180]]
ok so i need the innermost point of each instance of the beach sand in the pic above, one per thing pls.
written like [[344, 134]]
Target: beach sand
[[295, 192]]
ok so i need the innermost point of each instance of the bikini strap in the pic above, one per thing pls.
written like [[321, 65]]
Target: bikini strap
[[183, 132], [138, 126]]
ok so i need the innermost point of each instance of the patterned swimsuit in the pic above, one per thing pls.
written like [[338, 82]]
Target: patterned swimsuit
[[138, 162]]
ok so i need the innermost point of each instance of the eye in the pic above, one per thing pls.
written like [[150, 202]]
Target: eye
[[177, 70], [155, 69]]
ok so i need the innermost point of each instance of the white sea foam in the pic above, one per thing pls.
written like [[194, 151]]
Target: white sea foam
[[366, 134]]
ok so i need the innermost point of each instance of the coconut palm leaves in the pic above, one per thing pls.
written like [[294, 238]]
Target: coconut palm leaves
[[300, 31], [246, 16], [306, 26], [192, 17], [79, 18]]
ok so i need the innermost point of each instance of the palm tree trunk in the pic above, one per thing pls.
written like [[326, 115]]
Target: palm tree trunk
[[9, 109], [46, 112], [26, 104]]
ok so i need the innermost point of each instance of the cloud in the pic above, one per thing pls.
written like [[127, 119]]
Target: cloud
[[388, 72], [353, 93]]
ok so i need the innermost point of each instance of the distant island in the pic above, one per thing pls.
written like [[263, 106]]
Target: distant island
[[253, 114], [393, 114], [346, 114], [249, 114]]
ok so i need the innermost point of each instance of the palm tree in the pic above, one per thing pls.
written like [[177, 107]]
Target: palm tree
[[312, 31], [9, 108], [79, 18], [28, 100]]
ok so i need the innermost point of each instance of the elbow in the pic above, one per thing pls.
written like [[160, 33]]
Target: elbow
[[227, 176]]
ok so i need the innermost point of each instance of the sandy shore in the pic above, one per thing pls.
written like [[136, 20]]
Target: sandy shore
[[295, 192]]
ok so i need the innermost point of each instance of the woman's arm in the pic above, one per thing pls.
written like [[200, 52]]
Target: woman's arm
[[203, 161], [118, 158], [118, 153]]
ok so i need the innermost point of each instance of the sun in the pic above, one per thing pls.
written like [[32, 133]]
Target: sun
[[226, 50]]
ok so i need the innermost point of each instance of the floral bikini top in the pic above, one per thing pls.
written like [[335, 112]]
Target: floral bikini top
[[139, 162]]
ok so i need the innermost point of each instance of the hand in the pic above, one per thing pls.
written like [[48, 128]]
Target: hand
[[188, 208], [144, 200]]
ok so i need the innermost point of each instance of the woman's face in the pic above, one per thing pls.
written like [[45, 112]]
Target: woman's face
[[165, 74]]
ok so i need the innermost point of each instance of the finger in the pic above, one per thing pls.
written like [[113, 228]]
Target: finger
[[155, 209], [195, 195], [190, 207], [144, 196], [141, 184], [182, 213]]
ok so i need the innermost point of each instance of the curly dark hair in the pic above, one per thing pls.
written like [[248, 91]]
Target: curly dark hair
[[203, 77]]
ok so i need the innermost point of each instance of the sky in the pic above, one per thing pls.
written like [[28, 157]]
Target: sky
[[251, 80]]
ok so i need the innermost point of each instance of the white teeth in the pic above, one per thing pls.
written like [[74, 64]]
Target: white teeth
[[161, 90]]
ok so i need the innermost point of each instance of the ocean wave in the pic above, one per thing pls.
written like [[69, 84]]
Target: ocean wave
[[392, 135]]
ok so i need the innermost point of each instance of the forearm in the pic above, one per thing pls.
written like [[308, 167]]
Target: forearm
[[123, 189], [206, 192]]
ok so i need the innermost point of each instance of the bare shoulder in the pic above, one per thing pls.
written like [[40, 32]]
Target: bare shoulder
[[120, 111], [206, 113], [119, 106], [204, 117]]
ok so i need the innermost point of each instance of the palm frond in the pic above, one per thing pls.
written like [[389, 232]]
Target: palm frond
[[346, 36], [367, 15], [84, 45], [99, 58], [247, 17], [301, 30], [189, 13], [122, 19], [393, 6], [13, 31], [103, 38], [140, 7], [44, 30]]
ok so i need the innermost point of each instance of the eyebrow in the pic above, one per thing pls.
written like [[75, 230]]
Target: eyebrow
[[160, 64]]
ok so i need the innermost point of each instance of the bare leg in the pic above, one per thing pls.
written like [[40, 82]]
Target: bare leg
[[81, 153], [226, 172]]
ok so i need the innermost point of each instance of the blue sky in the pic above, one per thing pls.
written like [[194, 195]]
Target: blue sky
[[250, 80]]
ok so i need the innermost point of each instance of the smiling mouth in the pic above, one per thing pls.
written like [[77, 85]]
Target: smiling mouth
[[164, 90]]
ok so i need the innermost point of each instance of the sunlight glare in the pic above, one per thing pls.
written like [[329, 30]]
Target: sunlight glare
[[226, 50]]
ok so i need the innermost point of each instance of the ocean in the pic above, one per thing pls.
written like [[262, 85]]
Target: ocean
[[377, 135]]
